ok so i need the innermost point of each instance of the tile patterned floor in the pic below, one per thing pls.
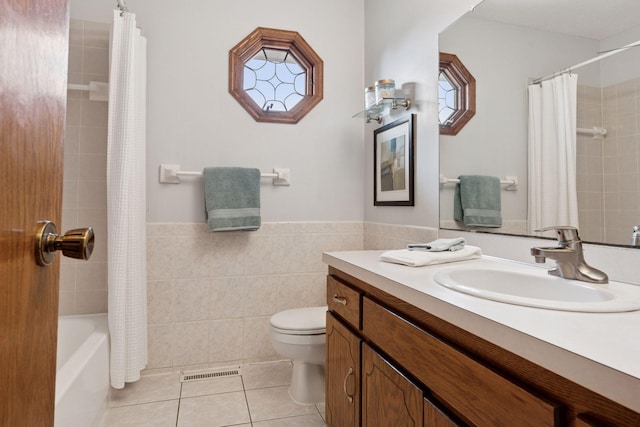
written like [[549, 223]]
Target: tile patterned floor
[[259, 397]]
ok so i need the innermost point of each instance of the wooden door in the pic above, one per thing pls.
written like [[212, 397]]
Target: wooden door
[[342, 375], [388, 398], [33, 76]]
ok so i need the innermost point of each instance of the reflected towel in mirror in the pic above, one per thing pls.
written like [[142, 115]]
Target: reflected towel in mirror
[[477, 201]]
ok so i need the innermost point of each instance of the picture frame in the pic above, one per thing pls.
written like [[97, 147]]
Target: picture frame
[[393, 163]]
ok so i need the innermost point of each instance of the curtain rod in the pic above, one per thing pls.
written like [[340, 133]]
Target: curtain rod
[[587, 62]]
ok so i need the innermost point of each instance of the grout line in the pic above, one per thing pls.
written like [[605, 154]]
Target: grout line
[[244, 391], [179, 403]]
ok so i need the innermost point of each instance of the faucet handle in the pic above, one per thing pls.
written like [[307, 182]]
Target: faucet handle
[[566, 233]]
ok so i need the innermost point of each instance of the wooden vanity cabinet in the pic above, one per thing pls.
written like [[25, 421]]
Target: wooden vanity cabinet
[[342, 375], [362, 387], [478, 394], [392, 364]]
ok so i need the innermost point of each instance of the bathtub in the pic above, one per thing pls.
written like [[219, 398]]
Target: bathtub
[[82, 377]]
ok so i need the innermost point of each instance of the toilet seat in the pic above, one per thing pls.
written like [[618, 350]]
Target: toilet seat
[[300, 321]]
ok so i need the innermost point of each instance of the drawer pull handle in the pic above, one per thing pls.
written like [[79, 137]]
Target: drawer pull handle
[[339, 300], [344, 385]]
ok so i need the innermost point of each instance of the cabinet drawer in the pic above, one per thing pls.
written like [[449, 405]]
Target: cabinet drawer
[[475, 392], [344, 301]]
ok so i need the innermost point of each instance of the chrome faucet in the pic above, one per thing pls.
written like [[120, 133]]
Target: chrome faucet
[[568, 256]]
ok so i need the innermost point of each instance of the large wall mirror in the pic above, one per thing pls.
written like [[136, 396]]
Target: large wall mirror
[[506, 44]]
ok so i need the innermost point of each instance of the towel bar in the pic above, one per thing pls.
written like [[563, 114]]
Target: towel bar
[[597, 132], [511, 182], [170, 174]]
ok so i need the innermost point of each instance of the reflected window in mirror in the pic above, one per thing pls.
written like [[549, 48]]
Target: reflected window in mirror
[[457, 94], [275, 75]]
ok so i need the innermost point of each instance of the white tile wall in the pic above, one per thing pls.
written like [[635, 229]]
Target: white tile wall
[[210, 295], [83, 284], [609, 169], [622, 156], [395, 236]]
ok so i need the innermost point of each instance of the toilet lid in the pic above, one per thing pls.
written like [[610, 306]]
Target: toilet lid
[[296, 321]]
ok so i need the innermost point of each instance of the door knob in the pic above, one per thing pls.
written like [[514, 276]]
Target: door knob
[[76, 243]]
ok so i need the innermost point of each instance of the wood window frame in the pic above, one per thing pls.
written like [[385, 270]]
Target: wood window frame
[[466, 83], [291, 41]]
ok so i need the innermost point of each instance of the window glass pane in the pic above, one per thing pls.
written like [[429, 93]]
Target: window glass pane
[[278, 77], [448, 99]]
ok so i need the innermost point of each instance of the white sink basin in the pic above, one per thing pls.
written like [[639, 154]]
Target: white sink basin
[[538, 289]]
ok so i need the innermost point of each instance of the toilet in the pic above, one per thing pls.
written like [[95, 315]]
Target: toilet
[[299, 334]]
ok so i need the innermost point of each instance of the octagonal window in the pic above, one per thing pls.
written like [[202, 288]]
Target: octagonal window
[[457, 94], [275, 75]]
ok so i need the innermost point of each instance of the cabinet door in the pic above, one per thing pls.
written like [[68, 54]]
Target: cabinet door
[[434, 417], [342, 375], [388, 398]]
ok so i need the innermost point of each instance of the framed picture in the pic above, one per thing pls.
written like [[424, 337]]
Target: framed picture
[[393, 164]]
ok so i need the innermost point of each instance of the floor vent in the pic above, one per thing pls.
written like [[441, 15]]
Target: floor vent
[[207, 374]]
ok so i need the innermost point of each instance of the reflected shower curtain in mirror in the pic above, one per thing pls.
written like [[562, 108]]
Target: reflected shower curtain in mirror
[[126, 201], [553, 198]]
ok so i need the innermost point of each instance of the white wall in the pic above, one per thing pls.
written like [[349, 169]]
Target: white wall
[[401, 43], [503, 58], [193, 121], [622, 66]]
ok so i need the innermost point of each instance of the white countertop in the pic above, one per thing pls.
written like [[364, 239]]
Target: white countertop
[[600, 351]]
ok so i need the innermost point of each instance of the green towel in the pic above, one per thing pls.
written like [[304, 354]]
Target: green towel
[[232, 198], [477, 202]]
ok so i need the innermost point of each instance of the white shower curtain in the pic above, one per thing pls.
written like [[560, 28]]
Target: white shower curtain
[[126, 201], [553, 196]]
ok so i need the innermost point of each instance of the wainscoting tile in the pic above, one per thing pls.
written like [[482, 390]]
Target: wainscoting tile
[[227, 297], [257, 338], [160, 302], [227, 340], [250, 277], [263, 375], [260, 298], [160, 344], [191, 299], [293, 291], [160, 258], [190, 343], [192, 256]]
